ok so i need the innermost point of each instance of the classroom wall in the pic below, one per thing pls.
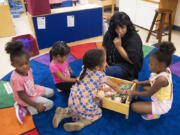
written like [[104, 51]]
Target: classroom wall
[[117, 3], [177, 17]]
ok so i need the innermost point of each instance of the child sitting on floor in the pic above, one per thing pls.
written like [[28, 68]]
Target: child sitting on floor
[[82, 106], [27, 95], [158, 87], [59, 67]]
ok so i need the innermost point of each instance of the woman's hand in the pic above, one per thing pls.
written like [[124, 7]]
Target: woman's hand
[[117, 41]]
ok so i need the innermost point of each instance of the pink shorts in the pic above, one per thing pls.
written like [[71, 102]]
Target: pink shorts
[[160, 107]]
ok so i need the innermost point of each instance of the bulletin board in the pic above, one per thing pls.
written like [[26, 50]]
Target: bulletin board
[[53, 27]]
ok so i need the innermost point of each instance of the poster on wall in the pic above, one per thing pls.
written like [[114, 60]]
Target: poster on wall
[[70, 21], [41, 22]]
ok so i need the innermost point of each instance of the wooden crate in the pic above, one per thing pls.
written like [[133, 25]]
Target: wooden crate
[[123, 108]]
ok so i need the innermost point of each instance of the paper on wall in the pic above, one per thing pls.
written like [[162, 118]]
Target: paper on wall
[[70, 21], [41, 22]]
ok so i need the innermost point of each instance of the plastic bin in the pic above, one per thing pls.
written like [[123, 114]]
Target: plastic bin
[[38, 7], [31, 44]]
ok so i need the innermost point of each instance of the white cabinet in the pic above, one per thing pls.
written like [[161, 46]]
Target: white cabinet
[[141, 12]]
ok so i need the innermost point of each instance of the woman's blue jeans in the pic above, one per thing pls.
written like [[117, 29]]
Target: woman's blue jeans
[[115, 71]]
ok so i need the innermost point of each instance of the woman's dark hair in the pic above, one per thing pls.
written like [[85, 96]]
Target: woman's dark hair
[[15, 49], [59, 48], [120, 19], [165, 52], [91, 59]]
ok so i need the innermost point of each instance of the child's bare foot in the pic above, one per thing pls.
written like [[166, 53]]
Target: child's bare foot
[[73, 126], [60, 114]]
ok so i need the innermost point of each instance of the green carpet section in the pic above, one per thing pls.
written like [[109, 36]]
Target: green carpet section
[[147, 50], [6, 100]]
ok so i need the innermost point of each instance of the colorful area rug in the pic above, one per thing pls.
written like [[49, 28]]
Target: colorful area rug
[[110, 123], [45, 59]]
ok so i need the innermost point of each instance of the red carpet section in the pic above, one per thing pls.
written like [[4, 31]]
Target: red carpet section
[[78, 51], [32, 132]]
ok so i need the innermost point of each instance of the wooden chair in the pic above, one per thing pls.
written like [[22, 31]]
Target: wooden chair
[[160, 27]]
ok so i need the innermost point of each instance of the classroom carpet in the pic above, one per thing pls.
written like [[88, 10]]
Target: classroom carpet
[[110, 123], [45, 59]]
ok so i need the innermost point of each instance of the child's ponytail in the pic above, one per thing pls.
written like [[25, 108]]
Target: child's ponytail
[[165, 52], [83, 73], [15, 48], [51, 55]]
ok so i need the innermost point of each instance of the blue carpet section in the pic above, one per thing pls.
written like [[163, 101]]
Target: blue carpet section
[[76, 67], [7, 77], [111, 122]]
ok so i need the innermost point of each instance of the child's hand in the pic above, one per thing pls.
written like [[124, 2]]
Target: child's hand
[[100, 94], [100, 88], [136, 81], [70, 70], [106, 89], [124, 92], [129, 93], [40, 107], [77, 80], [98, 101]]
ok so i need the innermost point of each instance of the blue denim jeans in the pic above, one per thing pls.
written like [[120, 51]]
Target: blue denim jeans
[[115, 71]]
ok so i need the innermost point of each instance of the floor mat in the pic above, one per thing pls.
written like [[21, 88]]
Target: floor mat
[[45, 59], [110, 123], [175, 68], [115, 123], [31, 132], [76, 67], [6, 95], [147, 50], [10, 125], [78, 51], [99, 45]]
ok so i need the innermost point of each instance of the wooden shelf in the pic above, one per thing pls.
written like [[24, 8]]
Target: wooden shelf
[[6, 23]]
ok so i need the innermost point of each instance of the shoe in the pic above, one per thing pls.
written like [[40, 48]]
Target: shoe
[[59, 90], [150, 116], [20, 112], [60, 114], [73, 126]]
